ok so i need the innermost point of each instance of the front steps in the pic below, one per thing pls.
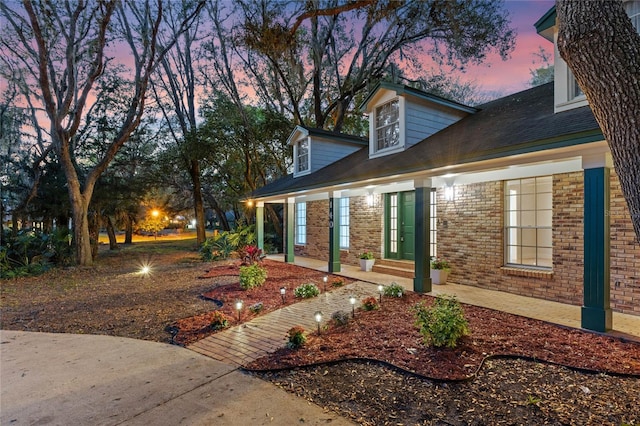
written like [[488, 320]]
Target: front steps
[[397, 268]]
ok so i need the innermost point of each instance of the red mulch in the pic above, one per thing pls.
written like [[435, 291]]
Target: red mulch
[[226, 288], [389, 334]]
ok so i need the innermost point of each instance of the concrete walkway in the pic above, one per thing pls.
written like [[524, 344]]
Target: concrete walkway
[[67, 379]]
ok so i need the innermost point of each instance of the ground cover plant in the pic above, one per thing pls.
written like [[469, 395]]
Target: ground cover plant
[[114, 298]]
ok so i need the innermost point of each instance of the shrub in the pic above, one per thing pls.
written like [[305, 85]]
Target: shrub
[[219, 320], [295, 337], [256, 308], [216, 248], [340, 317], [442, 324], [393, 290], [370, 304], [337, 282], [250, 255], [306, 291], [252, 276]]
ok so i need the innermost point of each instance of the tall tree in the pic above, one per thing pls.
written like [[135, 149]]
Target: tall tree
[[64, 44], [176, 89], [602, 48], [322, 53]]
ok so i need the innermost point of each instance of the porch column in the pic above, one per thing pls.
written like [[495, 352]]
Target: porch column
[[260, 224], [422, 280], [289, 220], [334, 233], [596, 311]]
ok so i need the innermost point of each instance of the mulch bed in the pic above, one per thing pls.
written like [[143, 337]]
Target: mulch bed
[[388, 334], [226, 289]]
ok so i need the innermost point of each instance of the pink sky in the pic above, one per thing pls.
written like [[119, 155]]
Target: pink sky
[[513, 75]]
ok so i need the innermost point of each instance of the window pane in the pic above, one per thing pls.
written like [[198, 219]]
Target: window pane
[[543, 201], [513, 254], [529, 237], [544, 237], [387, 125], [528, 186], [344, 223], [544, 184], [528, 202], [528, 256], [544, 257], [544, 218], [528, 218]]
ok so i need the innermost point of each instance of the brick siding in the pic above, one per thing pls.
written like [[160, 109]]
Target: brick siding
[[471, 236]]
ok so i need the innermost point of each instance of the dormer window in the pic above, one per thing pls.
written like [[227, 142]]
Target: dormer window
[[302, 155], [574, 88], [388, 125]]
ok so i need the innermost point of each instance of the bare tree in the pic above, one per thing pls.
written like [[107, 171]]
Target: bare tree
[[64, 44], [600, 45], [322, 53], [175, 89]]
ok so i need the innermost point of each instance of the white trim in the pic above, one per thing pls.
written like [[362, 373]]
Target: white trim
[[373, 141], [297, 173]]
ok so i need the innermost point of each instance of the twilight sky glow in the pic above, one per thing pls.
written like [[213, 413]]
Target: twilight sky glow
[[513, 75]]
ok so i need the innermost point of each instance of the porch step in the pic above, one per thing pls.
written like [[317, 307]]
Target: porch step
[[397, 268]]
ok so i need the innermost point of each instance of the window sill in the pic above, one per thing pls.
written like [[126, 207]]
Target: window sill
[[526, 272]]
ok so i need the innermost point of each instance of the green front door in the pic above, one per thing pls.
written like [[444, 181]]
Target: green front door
[[400, 225]]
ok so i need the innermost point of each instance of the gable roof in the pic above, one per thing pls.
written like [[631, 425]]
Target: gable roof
[[515, 124], [326, 134], [401, 89]]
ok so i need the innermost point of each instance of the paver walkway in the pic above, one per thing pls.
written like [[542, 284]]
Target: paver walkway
[[244, 343], [249, 341]]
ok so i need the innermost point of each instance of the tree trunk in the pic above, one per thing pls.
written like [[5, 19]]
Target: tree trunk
[[113, 243], [81, 239], [601, 47], [128, 230], [94, 233], [275, 219], [198, 204]]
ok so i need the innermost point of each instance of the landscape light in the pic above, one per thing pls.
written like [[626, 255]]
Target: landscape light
[[239, 308], [318, 317], [282, 292], [324, 280], [380, 290], [352, 300]]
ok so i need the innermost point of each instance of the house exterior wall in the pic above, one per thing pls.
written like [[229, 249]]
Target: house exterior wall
[[470, 234], [625, 254], [422, 120], [326, 152], [365, 231], [471, 237]]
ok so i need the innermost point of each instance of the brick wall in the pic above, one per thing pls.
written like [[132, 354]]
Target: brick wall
[[365, 232], [470, 235], [625, 254]]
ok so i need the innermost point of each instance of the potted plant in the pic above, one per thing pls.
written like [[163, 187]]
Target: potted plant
[[440, 269], [366, 261]]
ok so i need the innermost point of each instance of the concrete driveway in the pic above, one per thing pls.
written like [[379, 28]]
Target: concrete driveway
[[64, 379]]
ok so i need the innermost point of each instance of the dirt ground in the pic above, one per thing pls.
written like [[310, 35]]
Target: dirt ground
[[566, 377]]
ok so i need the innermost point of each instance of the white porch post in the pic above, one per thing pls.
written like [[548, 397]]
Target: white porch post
[[260, 224]]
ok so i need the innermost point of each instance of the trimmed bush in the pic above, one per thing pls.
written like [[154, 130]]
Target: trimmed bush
[[393, 290], [306, 291], [219, 320], [252, 276], [442, 324], [296, 337]]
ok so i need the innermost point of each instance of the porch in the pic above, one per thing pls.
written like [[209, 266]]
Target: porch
[[624, 325]]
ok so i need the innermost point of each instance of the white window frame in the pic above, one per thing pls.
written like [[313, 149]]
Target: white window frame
[[374, 151], [433, 224], [301, 223], [344, 223], [516, 225], [298, 171]]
